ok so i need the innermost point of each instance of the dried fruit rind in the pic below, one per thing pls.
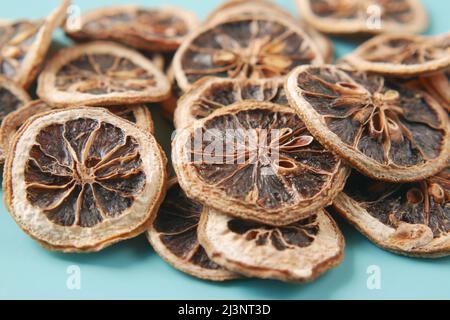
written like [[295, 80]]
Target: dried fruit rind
[[173, 234], [257, 47], [24, 45], [152, 29], [257, 161], [210, 94], [99, 181], [410, 219], [12, 97], [438, 86], [387, 131], [299, 252], [402, 55], [363, 16], [99, 74]]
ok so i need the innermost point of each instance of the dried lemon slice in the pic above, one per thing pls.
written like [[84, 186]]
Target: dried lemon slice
[[257, 47], [81, 179], [402, 55], [173, 234], [157, 29], [385, 130], [101, 73], [210, 94], [410, 218], [324, 44], [364, 16], [298, 252], [257, 161], [24, 44], [140, 115], [12, 98]]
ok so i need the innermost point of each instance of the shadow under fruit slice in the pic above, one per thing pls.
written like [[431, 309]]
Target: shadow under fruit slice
[[79, 180], [298, 252], [364, 16], [12, 97], [402, 55], [410, 218], [385, 130], [173, 234], [210, 94], [140, 115], [99, 74], [24, 45], [152, 29], [257, 161], [256, 47]]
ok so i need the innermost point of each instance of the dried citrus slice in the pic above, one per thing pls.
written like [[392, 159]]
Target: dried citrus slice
[[385, 130], [153, 29], [257, 161], [140, 115], [173, 234], [81, 179], [324, 44], [257, 46], [99, 74], [364, 16], [298, 252], [402, 55], [24, 44], [438, 86], [169, 105], [12, 97], [246, 7], [210, 94], [409, 218], [250, 8]]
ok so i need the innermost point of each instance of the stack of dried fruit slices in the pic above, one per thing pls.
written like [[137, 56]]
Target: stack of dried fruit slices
[[269, 134]]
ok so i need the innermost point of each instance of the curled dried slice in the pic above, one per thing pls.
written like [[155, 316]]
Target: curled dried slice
[[99, 74], [24, 44], [257, 161], [152, 29], [173, 234], [410, 218], [438, 86], [210, 94], [81, 179], [257, 47], [298, 252], [386, 130], [402, 55], [364, 16], [324, 44], [12, 97]]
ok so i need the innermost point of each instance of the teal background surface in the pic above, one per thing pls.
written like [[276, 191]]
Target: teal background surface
[[132, 270]]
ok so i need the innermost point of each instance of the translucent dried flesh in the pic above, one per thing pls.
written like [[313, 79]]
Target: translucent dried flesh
[[287, 170], [214, 94], [83, 172], [258, 47], [15, 41], [100, 74], [378, 119], [426, 202], [176, 228], [136, 26]]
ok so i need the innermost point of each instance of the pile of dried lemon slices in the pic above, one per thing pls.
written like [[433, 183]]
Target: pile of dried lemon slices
[[269, 134]]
